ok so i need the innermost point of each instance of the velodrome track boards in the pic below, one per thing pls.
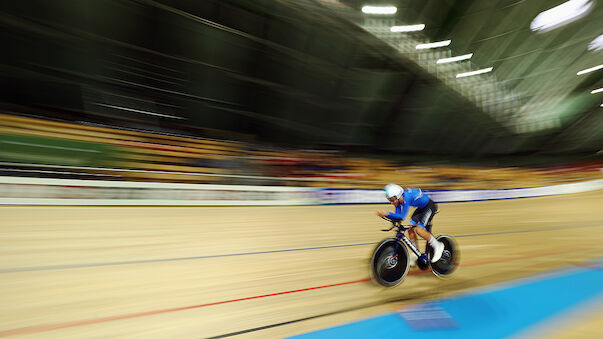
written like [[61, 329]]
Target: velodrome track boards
[[193, 272]]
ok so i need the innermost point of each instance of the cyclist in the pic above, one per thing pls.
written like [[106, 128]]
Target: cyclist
[[403, 199]]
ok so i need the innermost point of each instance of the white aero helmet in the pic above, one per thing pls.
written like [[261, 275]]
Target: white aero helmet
[[393, 191]]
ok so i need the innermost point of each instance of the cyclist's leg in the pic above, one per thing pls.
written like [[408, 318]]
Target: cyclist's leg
[[423, 217], [429, 221], [412, 236], [423, 233], [420, 218]]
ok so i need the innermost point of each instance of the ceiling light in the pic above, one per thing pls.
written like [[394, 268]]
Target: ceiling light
[[453, 59], [561, 15], [410, 28], [379, 9], [588, 70], [138, 111], [597, 90], [434, 44], [479, 71], [597, 44]]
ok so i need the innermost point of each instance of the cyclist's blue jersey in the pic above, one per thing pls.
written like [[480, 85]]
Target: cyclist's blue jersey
[[411, 197]]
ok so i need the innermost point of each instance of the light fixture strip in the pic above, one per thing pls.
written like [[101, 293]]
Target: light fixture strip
[[383, 10], [456, 58], [434, 44], [138, 111], [588, 70], [409, 28], [479, 71]]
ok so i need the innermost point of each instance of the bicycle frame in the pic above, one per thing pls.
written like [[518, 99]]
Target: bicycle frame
[[400, 236], [384, 262], [400, 229]]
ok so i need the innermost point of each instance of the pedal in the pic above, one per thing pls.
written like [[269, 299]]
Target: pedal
[[423, 262]]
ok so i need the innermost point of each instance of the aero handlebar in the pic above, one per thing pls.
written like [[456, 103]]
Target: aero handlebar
[[396, 224]]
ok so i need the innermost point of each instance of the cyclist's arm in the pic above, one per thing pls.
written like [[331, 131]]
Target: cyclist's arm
[[400, 215]]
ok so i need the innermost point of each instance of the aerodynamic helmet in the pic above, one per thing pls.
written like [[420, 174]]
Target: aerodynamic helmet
[[393, 191]]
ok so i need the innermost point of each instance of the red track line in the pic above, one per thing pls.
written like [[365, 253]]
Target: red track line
[[44, 328]]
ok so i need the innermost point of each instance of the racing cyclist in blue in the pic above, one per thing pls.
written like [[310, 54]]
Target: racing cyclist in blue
[[403, 199]]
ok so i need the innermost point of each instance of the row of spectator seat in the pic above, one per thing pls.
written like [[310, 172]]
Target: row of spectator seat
[[126, 154]]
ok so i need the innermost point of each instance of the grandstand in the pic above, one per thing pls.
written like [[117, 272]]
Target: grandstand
[[77, 150]]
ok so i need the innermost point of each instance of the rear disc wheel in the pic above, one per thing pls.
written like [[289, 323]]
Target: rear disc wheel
[[450, 259]]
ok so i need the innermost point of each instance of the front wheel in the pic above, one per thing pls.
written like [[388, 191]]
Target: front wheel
[[450, 259], [389, 264]]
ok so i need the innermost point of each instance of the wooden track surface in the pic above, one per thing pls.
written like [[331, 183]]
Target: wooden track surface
[[191, 272]]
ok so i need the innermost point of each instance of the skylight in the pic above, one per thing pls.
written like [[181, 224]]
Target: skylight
[[563, 14], [597, 44]]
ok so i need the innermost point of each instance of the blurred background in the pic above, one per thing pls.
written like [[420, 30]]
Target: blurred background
[[297, 103], [304, 93]]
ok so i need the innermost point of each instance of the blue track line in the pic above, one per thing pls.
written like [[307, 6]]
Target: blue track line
[[147, 261], [497, 311]]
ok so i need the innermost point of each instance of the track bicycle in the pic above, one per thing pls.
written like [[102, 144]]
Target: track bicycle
[[390, 261]]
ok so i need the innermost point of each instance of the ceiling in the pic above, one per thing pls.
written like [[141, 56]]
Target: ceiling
[[312, 72], [533, 87]]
